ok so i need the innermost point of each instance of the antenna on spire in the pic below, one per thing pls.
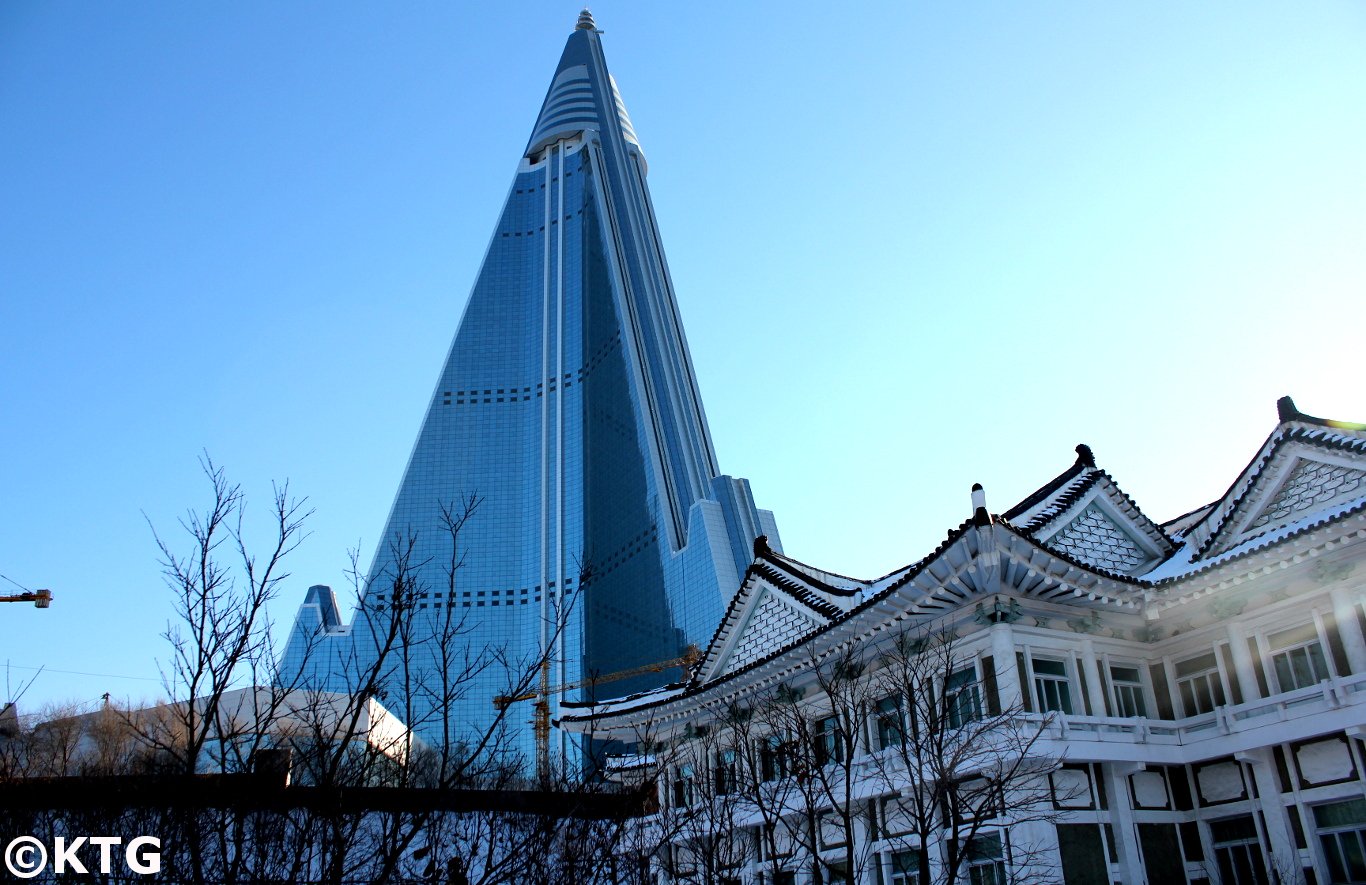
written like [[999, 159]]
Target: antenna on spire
[[586, 22]]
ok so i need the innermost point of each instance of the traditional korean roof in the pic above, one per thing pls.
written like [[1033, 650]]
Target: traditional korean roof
[[1078, 542], [779, 602], [1084, 514], [1306, 466], [1176, 528]]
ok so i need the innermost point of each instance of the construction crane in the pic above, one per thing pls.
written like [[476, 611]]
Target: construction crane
[[541, 695], [40, 598]]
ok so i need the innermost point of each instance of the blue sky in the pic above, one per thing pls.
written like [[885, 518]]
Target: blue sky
[[916, 246]]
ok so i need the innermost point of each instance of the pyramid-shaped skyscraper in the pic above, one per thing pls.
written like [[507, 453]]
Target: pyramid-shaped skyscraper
[[568, 405]]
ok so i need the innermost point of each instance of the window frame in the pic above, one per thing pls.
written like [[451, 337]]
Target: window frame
[[1314, 647], [683, 788], [1038, 682], [889, 717], [969, 690], [904, 866], [974, 867], [1134, 690], [775, 761], [1334, 832], [1201, 677], [827, 741], [726, 771]]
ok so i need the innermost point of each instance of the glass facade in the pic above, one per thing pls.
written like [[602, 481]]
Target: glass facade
[[569, 412]]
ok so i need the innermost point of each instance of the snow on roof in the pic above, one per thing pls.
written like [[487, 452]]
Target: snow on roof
[[580, 711], [1174, 549], [1184, 562], [1177, 528]]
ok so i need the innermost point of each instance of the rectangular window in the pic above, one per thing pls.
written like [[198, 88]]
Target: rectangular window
[[773, 758], [683, 786], [829, 742], [906, 868], [963, 698], [1297, 657], [889, 723], [725, 772], [1052, 686], [1128, 687], [985, 862], [1198, 682], [1238, 851], [1341, 828]]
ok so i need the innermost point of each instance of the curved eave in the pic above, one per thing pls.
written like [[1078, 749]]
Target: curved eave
[[1318, 433]]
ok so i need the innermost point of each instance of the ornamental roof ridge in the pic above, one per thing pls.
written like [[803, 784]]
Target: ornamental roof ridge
[[785, 574], [1056, 498], [1292, 426], [1052, 487], [1286, 411], [818, 578], [697, 684]]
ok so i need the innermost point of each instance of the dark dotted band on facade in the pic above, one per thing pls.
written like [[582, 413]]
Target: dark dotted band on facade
[[524, 394], [541, 229], [523, 596], [627, 551]]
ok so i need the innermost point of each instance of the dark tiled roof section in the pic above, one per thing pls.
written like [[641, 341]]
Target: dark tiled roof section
[[1049, 488], [953, 536], [796, 590], [805, 570], [1322, 434], [809, 574], [1069, 497], [1070, 486]]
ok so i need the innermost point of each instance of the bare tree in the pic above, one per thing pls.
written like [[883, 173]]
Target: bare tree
[[221, 639], [229, 705], [700, 822], [958, 770], [813, 737]]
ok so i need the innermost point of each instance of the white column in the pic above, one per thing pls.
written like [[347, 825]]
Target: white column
[[884, 860], [1284, 854], [1036, 855], [1242, 662], [1003, 662], [1349, 627], [860, 836], [1122, 824], [1091, 673]]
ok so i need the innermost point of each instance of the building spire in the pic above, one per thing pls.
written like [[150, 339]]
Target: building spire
[[586, 22]]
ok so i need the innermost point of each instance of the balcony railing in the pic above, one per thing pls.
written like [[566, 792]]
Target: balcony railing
[[1331, 705]]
